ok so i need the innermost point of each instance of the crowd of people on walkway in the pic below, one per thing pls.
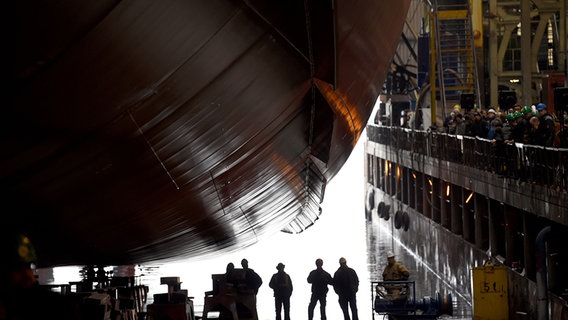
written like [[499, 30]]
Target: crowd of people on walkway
[[526, 143], [533, 125]]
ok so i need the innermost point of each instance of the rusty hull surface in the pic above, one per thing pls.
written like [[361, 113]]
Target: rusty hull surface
[[138, 131]]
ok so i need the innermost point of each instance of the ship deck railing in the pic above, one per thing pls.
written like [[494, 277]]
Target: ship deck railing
[[529, 163]]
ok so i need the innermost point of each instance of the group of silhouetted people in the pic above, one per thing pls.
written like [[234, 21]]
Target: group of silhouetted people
[[344, 281]]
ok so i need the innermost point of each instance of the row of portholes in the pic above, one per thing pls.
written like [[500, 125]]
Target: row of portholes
[[370, 203], [383, 210], [401, 218]]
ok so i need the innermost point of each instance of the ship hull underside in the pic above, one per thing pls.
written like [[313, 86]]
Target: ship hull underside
[[138, 131]]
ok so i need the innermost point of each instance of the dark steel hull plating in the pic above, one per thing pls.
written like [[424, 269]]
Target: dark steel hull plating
[[137, 131]]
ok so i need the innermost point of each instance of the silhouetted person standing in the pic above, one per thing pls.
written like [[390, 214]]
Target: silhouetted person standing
[[320, 279], [252, 279], [252, 283], [281, 283], [230, 274], [346, 285]]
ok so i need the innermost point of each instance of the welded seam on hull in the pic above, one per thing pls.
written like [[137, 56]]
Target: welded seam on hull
[[290, 43], [153, 150], [309, 59], [334, 46], [313, 106], [217, 192], [249, 223]]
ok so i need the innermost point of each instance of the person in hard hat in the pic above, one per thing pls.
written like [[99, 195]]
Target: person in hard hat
[[19, 260], [489, 117], [21, 296], [546, 128], [395, 271], [517, 132], [449, 121]]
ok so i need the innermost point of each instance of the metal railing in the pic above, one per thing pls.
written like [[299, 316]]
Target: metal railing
[[528, 163]]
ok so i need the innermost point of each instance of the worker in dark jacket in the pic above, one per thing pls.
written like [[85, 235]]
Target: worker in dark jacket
[[546, 129], [320, 279], [281, 283], [346, 285]]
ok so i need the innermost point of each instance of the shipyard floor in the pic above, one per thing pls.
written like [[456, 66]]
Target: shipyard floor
[[372, 239]]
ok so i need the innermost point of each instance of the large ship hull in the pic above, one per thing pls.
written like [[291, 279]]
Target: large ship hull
[[137, 131]]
